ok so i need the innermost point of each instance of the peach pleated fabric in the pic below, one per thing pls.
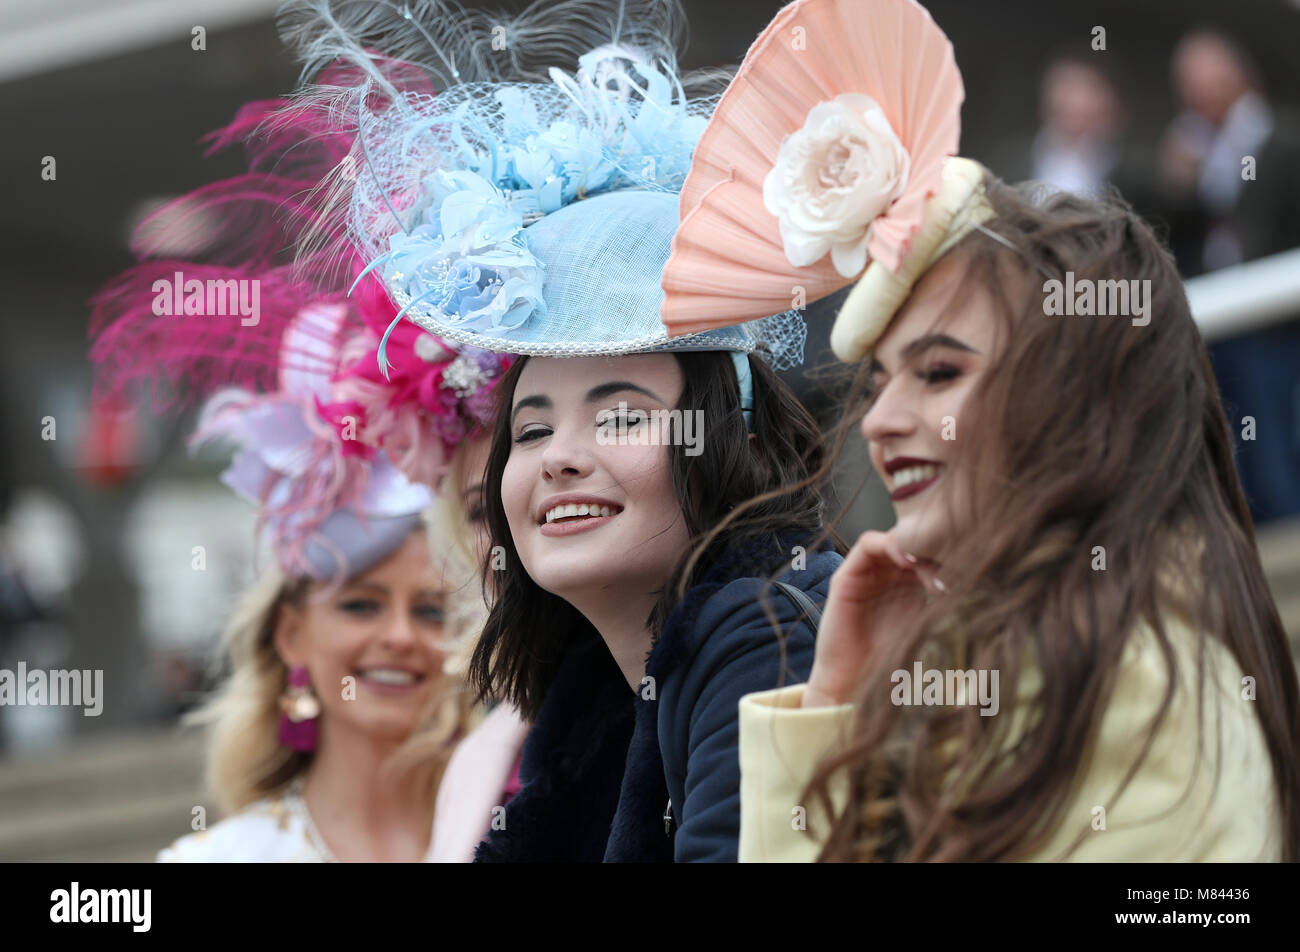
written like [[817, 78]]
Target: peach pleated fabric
[[728, 262]]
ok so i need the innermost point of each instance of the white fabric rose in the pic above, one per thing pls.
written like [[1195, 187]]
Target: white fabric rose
[[833, 178]]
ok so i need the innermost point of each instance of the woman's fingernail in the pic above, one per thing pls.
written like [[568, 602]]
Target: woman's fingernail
[[911, 558], [938, 583]]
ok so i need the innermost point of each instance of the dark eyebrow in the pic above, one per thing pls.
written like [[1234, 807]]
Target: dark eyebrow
[[536, 400], [920, 346], [373, 586], [615, 386], [432, 592], [594, 395]]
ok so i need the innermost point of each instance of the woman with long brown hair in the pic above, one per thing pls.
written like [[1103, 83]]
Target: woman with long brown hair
[[1087, 539], [1065, 647]]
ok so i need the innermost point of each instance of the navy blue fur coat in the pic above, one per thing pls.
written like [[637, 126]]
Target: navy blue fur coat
[[601, 761]]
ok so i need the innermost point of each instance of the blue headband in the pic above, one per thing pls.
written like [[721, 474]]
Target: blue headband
[[745, 378]]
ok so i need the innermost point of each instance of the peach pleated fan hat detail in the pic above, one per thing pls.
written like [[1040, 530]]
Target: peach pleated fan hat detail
[[826, 162]]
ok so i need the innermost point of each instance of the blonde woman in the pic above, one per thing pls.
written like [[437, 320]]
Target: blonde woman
[[347, 647], [351, 647], [340, 711], [330, 736], [369, 655]]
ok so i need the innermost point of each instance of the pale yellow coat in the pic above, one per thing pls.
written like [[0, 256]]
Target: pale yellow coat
[[1170, 811]]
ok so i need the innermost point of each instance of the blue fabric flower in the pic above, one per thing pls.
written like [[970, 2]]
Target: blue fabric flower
[[620, 122], [469, 259]]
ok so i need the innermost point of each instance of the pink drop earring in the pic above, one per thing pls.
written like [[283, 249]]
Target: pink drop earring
[[299, 709]]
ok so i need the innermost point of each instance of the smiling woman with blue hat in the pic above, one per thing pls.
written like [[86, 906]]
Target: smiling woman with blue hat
[[640, 491]]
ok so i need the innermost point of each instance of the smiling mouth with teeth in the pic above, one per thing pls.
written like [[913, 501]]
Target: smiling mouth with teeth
[[579, 511], [914, 474], [907, 481], [392, 677]]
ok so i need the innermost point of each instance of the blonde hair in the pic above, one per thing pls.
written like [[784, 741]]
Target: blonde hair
[[246, 761], [450, 533]]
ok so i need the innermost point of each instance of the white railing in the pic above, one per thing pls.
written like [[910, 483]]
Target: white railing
[[40, 36], [1246, 297]]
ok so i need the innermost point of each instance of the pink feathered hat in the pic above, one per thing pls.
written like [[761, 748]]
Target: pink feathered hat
[[229, 304]]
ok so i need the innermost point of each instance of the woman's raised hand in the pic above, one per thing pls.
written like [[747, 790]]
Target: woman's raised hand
[[877, 589]]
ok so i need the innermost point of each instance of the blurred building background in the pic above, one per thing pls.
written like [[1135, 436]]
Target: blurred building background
[[120, 552]]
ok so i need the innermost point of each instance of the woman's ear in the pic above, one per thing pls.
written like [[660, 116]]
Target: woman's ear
[[289, 635]]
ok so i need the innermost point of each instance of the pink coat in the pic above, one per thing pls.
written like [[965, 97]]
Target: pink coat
[[482, 776]]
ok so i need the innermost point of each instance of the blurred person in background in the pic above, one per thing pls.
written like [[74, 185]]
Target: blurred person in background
[[343, 654], [1080, 143], [1230, 192], [330, 734], [1219, 211], [18, 607], [394, 635]]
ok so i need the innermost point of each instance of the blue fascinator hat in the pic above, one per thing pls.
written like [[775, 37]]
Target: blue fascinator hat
[[509, 204]]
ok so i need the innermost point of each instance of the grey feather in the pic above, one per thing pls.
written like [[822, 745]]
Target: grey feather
[[455, 45]]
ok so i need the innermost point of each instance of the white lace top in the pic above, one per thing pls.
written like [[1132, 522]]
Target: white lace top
[[277, 829]]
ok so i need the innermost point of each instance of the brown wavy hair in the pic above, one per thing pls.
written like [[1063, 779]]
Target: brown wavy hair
[[1083, 432]]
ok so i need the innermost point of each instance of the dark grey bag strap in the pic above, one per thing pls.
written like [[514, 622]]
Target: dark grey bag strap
[[801, 600]]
